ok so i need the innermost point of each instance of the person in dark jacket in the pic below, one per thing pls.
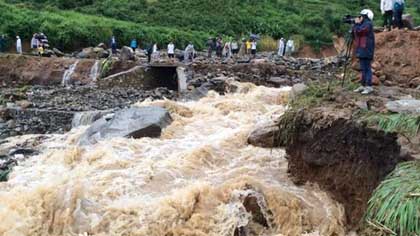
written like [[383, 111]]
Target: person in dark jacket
[[399, 6], [364, 42], [2, 43], [114, 44]]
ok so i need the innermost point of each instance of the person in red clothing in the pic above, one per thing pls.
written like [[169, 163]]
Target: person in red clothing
[[364, 41]]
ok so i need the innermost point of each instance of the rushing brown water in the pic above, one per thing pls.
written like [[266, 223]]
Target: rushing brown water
[[200, 178]]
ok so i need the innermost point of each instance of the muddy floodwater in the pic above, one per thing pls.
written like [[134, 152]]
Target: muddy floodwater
[[200, 178]]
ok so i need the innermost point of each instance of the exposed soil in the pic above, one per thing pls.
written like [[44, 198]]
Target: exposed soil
[[16, 70], [343, 157], [398, 57]]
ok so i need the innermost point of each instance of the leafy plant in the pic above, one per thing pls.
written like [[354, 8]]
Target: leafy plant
[[395, 205]]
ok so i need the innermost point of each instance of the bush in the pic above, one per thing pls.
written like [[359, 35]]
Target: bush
[[268, 44]]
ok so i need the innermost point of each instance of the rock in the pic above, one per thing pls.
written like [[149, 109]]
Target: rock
[[135, 122], [408, 106], [414, 83], [58, 53], [126, 54], [265, 135], [279, 81], [23, 104], [297, 89], [362, 105], [408, 21], [102, 45], [87, 53]]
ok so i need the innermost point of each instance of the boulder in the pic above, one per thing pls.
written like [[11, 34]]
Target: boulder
[[135, 122], [265, 135], [297, 89], [87, 53], [102, 45], [58, 53], [408, 106], [408, 21], [126, 54]]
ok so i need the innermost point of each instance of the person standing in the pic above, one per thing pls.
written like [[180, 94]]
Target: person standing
[[210, 46], [282, 45], [133, 44], [155, 52], [364, 42], [235, 47], [387, 9], [248, 46], [34, 41], [219, 47], [254, 48], [171, 50], [227, 53], [149, 51], [18, 45], [399, 6], [189, 53], [242, 49], [2, 43], [290, 47], [113, 44]]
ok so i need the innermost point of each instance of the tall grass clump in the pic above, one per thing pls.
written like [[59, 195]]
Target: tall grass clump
[[394, 207], [268, 44], [408, 125]]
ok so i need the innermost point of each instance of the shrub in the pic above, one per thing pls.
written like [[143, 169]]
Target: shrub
[[267, 43]]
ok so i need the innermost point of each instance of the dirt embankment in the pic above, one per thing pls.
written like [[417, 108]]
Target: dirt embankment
[[342, 156], [18, 70], [398, 58]]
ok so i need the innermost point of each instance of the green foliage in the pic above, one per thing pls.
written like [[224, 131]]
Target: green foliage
[[395, 205], [315, 20], [408, 125], [71, 30]]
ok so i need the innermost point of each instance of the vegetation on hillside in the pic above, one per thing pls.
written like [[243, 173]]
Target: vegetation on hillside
[[72, 30], [315, 20]]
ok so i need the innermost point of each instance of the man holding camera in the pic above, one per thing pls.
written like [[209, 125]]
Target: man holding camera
[[364, 41]]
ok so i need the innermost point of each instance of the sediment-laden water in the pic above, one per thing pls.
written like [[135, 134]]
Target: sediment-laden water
[[199, 178]]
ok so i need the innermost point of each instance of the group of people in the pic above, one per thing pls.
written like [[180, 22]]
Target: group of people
[[286, 48], [231, 48], [39, 42], [392, 10]]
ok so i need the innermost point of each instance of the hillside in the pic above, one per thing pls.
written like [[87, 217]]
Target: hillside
[[313, 20]]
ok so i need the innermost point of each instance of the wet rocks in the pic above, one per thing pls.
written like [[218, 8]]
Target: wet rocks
[[135, 122], [265, 135], [126, 53]]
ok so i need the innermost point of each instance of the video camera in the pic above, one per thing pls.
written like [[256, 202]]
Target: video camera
[[349, 19]]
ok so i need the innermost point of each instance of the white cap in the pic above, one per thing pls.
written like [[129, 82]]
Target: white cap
[[368, 13]]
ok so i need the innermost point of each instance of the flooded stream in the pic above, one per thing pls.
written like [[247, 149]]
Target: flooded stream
[[200, 178]]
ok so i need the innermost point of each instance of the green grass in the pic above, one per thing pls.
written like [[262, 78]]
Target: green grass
[[395, 205], [314, 20], [408, 125]]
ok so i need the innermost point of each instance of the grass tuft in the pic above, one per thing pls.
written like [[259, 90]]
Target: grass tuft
[[395, 205], [408, 125]]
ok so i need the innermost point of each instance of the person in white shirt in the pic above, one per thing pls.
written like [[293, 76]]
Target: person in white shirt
[[189, 52], [155, 51], [18, 45], [282, 45], [290, 47], [387, 9], [254, 48], [34, 41], [171, 50]]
